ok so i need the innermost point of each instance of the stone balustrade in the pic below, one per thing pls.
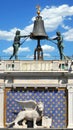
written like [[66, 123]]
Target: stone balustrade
[[33, 66]]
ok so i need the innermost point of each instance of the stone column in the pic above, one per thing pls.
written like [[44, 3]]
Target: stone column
[[1, 107], [70, 106]]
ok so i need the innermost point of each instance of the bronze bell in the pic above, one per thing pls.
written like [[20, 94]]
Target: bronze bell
[[38, 34], [38, 29]]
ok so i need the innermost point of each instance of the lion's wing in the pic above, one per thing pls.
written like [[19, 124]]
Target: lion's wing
[[27, 105]]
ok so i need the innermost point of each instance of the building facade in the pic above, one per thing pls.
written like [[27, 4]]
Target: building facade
[[48, 81]]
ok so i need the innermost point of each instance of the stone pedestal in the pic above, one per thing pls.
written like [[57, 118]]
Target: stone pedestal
[[70, 106], [46, 122], [1, 108]]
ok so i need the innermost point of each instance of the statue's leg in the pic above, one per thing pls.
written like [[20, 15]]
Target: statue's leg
[[12, 54], [16, 51], [19, 117], [60, 52], [35, 54], [16, 57], [11, 57], [34, 123]]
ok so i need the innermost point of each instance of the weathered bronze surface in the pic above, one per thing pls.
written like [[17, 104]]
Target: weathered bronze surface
[[38, 29], [60, 45]]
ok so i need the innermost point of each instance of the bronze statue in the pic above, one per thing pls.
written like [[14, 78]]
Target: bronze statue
[[59, 43], [17, 44]]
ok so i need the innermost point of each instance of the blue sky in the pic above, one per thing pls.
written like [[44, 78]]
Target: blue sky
[[20, 14]]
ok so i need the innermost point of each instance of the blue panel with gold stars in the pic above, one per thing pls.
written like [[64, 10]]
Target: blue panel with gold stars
[[54, 103]]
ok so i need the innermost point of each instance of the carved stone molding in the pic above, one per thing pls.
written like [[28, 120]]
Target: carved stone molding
[[70, 88], [2, 107], [70, 106]]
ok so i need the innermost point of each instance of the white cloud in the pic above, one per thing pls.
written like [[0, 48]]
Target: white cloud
[[10, 50], [47, 55], [66, 27], [30, 56], [5, 35], [9, 35], [47, 48], [69, 18], [27, 30], [53, 17], [24, 49], [68, 36]]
